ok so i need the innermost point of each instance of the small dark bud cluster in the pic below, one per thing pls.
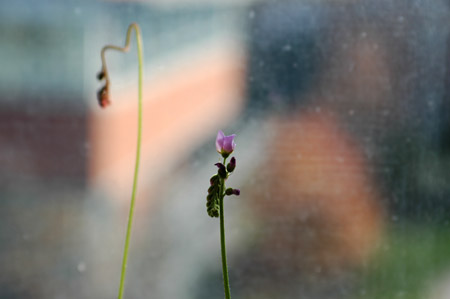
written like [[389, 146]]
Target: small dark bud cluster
[[212, 200], [216, 190], [103, 93]]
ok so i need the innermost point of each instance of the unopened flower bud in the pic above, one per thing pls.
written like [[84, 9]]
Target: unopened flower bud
[[103, 96], [232, 165], [213, 179], [222, 171], [231, 191], [101, 75], [209, 197], [213, 212], [211, 189]]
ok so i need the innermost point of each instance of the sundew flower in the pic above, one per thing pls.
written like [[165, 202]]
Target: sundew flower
[[225, 144], [216, 193]]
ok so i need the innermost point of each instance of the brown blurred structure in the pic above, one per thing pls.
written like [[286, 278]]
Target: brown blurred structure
[[316, 180]]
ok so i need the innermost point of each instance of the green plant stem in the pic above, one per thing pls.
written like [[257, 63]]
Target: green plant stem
[[139, 134], [226, 283], [136, 167]]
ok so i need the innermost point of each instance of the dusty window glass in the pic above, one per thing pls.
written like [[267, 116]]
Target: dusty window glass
[[342, 116]]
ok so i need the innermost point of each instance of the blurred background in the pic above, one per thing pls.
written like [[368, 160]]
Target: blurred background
[[342, 115]]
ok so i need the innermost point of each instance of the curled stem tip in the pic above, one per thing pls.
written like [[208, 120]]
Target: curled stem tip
[[103, 93]]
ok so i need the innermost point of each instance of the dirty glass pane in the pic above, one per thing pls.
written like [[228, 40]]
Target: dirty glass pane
[[342, 115]]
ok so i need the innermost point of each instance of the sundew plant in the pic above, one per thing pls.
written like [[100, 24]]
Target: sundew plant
[[216, 193]]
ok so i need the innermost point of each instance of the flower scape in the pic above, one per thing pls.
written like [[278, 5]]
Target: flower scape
[[225, 146]]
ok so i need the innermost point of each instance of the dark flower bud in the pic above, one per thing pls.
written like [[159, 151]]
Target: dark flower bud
[[213, 180], [211, 189], [209, 197], [103, 96], [101, 75], [229, 191], [232, 165], [220, 166], [212, 208], [213, 212], [222, 171]]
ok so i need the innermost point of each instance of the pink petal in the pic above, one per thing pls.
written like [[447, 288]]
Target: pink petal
[[219, 141], [228, 143]]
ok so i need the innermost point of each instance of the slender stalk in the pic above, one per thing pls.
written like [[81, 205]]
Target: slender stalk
[[139, 134], [226, 283]]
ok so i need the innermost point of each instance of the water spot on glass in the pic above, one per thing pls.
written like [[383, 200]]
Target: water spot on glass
[[81, 267], [385, 112], [303, 216], [287, 48], [340, 159], [351, 66], [401, 19], [251, 14], [394, 218], [351, 112], [77, 11], [318, 109], [363, 34]]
